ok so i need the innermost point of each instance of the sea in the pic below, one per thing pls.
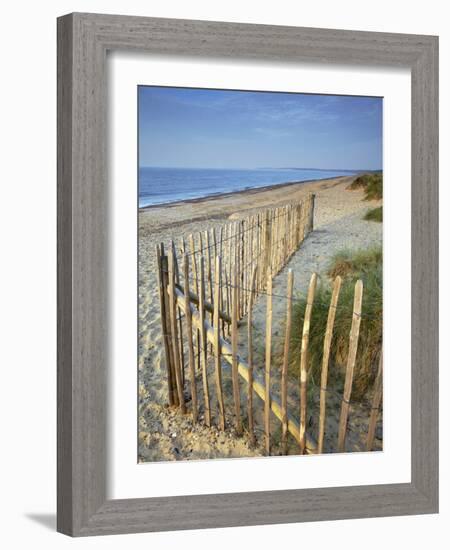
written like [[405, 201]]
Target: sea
[[167, 185]]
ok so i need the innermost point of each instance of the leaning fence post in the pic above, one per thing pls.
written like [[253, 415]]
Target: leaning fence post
[[195, 275], [251, 429], [188, 315], [267, 404], [203, 342], [164, 327], [234, 345], [352, 349], [273, 240], [284, 372], [258, 253], [377, 393], [223, 292], [209, 269], [238, 264], [173, 321], [304, 361], [267, 247], [326, 359], [242, 269], [312, 200], [170, 339], [180, 322], [217, 346], [214, 243], [228, 268]]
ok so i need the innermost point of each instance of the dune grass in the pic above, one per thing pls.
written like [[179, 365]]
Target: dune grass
[[355, 264], [374, 215], [351, 266], [372, 185]]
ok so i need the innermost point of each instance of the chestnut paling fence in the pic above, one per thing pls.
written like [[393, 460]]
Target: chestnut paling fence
[[205, 292]]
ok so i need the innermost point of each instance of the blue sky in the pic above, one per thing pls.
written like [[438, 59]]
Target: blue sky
[[197, 128]]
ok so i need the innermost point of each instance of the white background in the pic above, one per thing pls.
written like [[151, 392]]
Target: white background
[[28, 270], [131, 480]]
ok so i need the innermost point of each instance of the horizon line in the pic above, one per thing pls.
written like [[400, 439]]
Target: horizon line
[[265, 168]]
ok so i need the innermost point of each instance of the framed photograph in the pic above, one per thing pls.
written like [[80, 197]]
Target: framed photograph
[[247, 274]]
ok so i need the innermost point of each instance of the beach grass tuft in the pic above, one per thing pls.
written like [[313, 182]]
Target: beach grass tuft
[[372, 185], [363, 264], [355, 264], [374, 215]]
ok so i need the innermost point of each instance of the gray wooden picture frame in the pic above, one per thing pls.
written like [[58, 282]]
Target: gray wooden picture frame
[[83, 41]]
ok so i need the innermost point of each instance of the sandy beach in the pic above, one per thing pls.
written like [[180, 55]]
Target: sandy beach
[[165, 434]]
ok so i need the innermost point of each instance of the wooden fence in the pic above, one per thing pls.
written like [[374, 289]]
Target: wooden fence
[[223, 273]]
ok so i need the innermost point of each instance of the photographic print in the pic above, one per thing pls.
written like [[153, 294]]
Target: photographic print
[[260, 292]]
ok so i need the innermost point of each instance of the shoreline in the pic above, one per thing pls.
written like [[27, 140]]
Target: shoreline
[[173, 217], [228, 194]]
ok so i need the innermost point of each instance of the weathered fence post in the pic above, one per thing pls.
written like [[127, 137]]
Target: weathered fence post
[[267, 404], [376, 401], [203, 342], [259, 253], [217, 347], [180, 321], [214, 234], [188, 315], [209, 269], [173, 321], [284, 372], [304, 361], [242, 273], [234, 346], [228, 268], [312, 199], [224, 271], [267, 247], [251, 429], [326, 359], [352, 349], [165, 329], [195, 275], [170, 338]]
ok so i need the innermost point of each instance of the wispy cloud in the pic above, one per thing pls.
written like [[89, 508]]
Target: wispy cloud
[[288, 110]]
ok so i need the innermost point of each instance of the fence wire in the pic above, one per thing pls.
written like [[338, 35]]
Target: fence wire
[[300, 298], [237, 235]]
